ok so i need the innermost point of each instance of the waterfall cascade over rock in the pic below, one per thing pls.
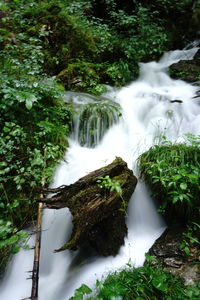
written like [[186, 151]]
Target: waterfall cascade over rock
[[148, 112]]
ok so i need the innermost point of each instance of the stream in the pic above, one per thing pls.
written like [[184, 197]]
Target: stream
[[147, 116]]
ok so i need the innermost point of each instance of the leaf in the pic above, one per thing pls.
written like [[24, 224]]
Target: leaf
[[187, 251], [30, 99], [13, 239], [29, 104], [159, 282], [84, 289], [183, 186]]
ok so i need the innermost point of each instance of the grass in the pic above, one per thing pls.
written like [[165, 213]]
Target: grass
[[145, 283]]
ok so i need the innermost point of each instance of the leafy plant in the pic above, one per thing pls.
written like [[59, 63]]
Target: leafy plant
[[81, 292], [148, 282], [113, 185], [110, 184], [190, 238], [173, 172]]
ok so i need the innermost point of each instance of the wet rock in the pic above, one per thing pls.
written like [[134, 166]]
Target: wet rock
[[167, 250], [98, 213], [188, 70]]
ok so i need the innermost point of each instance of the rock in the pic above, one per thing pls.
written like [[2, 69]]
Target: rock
[[174, 260], [92, 118], [188, 70], [98, 213], [79, 76]]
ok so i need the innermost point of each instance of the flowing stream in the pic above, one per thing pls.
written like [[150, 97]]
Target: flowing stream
[[147, 115]]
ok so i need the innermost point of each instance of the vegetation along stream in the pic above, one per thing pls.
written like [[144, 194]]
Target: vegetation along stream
[[74, 96]]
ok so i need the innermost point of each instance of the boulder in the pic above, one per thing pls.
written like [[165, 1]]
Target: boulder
[[98, 211], [174, 258], [188, 70]]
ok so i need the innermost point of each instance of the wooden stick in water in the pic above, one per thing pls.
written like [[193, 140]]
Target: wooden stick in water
[[36, 263]]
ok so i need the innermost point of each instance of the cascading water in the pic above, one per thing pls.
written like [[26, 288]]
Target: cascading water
[[148, 112]]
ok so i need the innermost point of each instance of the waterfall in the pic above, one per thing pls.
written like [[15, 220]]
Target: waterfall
[[147, 115]]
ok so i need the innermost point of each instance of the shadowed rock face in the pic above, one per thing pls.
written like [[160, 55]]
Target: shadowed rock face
[[98, 214], [167, 250], [188, 70]]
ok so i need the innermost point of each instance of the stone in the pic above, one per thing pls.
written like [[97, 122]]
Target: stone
[[167, 250], [188, 70]]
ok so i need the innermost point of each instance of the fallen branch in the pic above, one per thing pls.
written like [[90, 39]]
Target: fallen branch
[[36, 263]]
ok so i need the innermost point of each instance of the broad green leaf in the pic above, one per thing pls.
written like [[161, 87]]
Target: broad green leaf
[[13, 239], [29, 104], [183, 186], [30, 99], [159, 282]]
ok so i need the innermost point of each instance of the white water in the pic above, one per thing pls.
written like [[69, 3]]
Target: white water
[[147, 115]]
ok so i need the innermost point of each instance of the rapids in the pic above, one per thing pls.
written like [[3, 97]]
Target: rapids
[[147, 115]]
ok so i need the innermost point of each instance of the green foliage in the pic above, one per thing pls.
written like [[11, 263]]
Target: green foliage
[[39, 39], [81, 292], [11, 236], [113, 185], [110, 184], [33, 127], [147, 283], [190, 238], [173, 172], [70, 34], [82, 76]]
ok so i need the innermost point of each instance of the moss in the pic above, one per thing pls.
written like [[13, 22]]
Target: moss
[[82, 76], [187, 70], [4, 259]]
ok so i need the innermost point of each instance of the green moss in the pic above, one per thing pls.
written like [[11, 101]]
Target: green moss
[[82, 76], [4, 259]]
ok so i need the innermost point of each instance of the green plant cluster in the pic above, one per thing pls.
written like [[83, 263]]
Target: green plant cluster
[[86, 47], [191, 237], [173, 173], [90, 43], [144, 283], [84, 44], [110, 184], [34, 124]]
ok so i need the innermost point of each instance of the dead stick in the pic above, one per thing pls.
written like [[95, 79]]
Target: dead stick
[[36, 263], [35, 274]]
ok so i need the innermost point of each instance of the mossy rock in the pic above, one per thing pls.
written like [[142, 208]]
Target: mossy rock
[[82, 76], [177, 254], [188, 70]]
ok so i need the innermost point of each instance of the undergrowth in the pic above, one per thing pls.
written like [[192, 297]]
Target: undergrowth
[[34, 123], [173, 173], [144, 283], [83, 44]]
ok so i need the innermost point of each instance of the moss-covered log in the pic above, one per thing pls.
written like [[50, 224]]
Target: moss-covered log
[[98, 213]]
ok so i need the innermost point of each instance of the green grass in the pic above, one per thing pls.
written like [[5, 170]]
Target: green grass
[[144, 283]]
